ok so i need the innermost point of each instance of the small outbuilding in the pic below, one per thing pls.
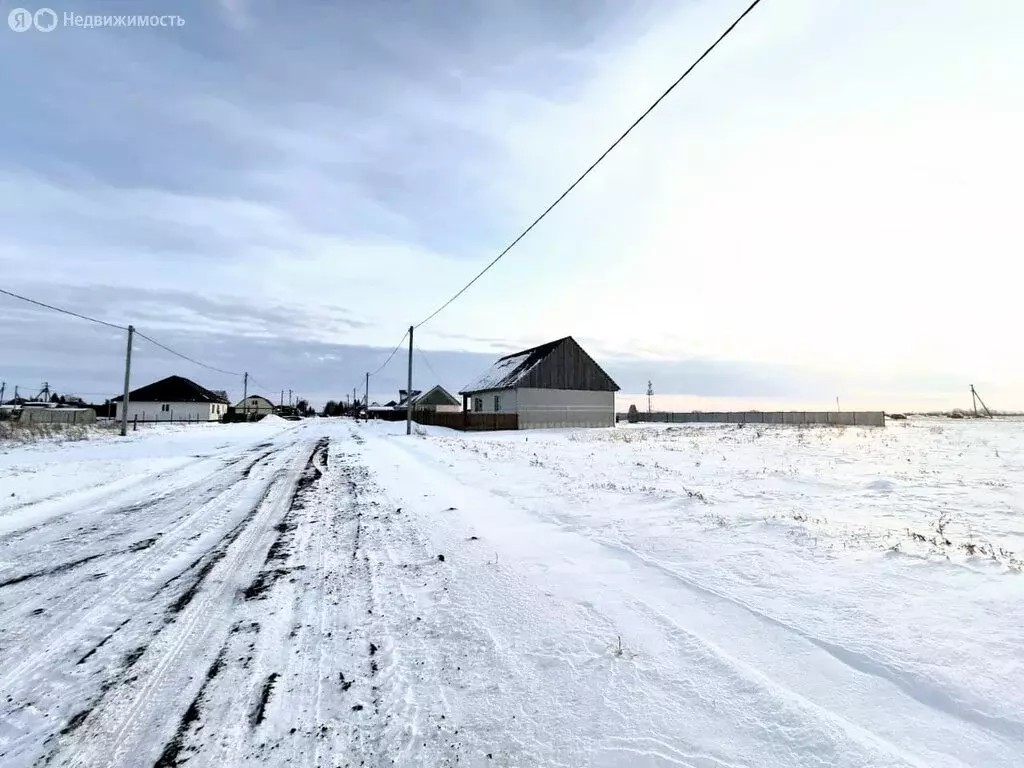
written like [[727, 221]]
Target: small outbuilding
[[552, 385], [173, 399]]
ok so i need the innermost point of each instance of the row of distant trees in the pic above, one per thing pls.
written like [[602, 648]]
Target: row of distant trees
[[334, 408]]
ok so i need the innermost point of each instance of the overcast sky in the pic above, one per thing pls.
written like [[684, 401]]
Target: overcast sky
[[829, 205]]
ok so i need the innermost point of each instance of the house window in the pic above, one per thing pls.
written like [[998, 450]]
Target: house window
[[497, 403], [478, 404], [166, 407]]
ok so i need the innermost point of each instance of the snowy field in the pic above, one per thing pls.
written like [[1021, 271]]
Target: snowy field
[[334, 594]]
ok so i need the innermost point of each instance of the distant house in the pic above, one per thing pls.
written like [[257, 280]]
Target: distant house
[[173, 399], [403, 397], [437, 399], [256, 405], [553, 385]]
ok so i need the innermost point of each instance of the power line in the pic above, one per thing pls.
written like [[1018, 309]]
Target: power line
[[593, 165], [261, 386], [429, 366], [185, 357], [384, 365], [63, 311], [393, 353], [137, 333]]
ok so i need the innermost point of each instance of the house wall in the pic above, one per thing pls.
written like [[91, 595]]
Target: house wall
[[551, 408], [418, 408], [153, 411], [508, 401]]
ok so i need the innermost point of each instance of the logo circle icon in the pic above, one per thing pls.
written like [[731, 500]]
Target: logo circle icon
[[45, 19], [20, 20]]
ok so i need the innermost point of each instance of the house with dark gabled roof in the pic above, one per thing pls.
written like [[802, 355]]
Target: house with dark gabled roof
[[437, 399], [173, 399], [552, 385]]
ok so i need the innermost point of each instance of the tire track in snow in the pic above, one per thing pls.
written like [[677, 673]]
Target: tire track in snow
[[236, 706], [64, 600], [74, 613], [131, 710]]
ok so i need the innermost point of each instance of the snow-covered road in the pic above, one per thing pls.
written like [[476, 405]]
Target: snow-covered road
[[339, 594]]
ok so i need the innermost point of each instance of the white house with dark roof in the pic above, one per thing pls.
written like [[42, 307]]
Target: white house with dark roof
[[552, 385], [173, 399]]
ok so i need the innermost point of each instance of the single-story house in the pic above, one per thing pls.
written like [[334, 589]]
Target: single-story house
[[437, 399], [173, 399], [254, 404], [553, 385]]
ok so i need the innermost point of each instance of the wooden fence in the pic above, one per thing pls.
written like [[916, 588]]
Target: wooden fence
[[466, 422]]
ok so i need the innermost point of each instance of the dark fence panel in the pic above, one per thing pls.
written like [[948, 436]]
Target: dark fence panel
[[467, 422]]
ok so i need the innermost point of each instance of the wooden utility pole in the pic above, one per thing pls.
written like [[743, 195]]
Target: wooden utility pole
[[127, 381], [245, 395], [3, 386], [366, 397], [281, 401], [650, 392], [289, 398], [408, 393]]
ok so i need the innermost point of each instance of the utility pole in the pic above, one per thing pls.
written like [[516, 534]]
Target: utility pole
[[127, 381], [408, 394], [367, 398], [281, 401], [3, 386], [976, 398], [650, 393], [289, 398], [245, 395]]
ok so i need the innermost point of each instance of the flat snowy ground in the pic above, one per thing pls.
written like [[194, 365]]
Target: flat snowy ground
[[328, 594]]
